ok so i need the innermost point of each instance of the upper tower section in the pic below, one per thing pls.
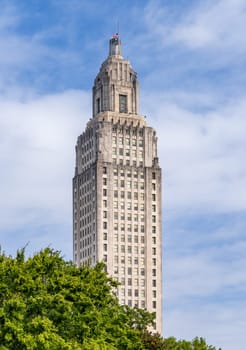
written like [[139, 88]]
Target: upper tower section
[[116, 86]]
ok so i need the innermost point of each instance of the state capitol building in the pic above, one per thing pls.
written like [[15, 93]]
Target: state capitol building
[[117, 215]]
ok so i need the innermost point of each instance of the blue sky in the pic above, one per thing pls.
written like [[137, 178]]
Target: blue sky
[[190, 59]]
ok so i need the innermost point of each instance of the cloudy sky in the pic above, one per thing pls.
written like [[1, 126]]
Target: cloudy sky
[[190, 56]]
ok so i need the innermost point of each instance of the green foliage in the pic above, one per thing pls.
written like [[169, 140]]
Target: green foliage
[[47, 303], [156, 342]]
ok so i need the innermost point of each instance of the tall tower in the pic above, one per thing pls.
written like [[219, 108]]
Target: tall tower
[[117, 188]]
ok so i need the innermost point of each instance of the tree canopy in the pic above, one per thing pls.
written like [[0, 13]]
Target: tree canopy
[[47, 303]]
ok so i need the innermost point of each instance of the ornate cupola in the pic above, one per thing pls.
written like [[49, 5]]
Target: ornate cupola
[[116, 86]]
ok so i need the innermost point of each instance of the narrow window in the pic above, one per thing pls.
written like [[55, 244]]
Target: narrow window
[[98, 105], [123, 103]]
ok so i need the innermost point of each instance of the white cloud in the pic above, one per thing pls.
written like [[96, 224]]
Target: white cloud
[[214, 24], [201, 154], [214, 27], [37, 156]]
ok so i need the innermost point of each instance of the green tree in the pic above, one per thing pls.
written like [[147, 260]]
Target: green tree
[[48, 303], [153, 341]]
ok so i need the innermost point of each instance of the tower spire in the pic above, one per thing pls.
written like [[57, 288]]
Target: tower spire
[[115, 45]]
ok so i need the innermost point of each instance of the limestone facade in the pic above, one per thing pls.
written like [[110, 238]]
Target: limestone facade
[[117, 215]]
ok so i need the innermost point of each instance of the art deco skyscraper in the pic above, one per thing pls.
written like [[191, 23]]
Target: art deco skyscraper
[[117, 188]]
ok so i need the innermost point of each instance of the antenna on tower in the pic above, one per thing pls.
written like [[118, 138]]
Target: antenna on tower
[[117, 26]]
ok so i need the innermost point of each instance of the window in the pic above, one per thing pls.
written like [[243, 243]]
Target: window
[[98, 105], [105, 214], [104, 181], [123, 103], [154, 240], [154, 304], [105, 225], [154, 272], [104, 192], [105, 235], [129, 270], [153, 176], [105, 247], [104, 170], [153, 197]]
